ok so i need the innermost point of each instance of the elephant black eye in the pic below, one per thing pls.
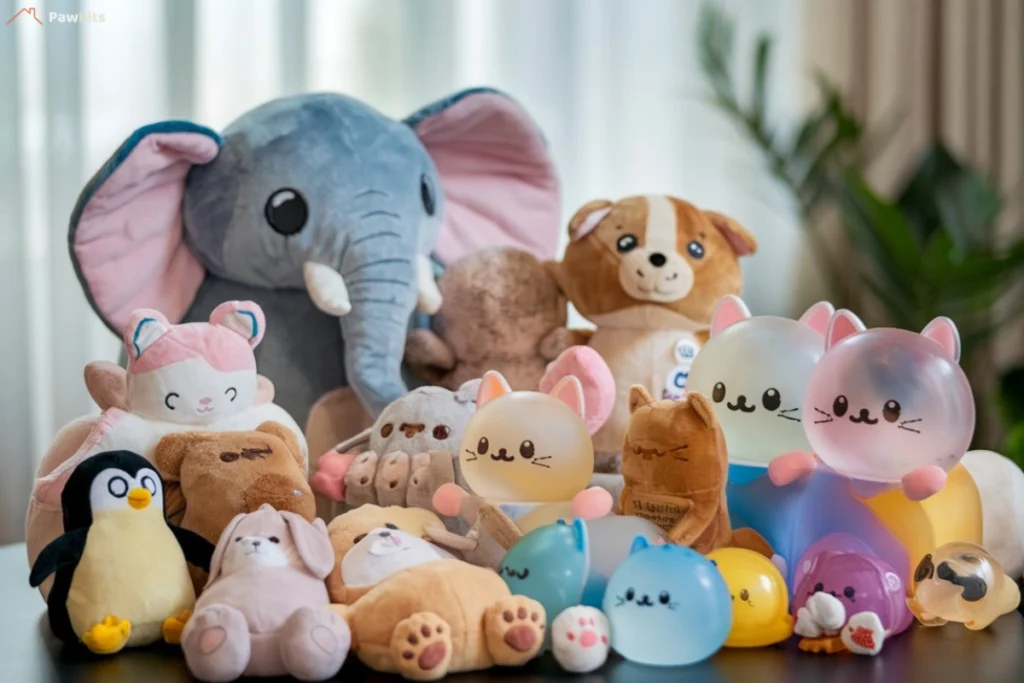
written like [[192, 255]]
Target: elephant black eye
[[924, 569], [664, 598], [442, 432], [286, 211], [118, 487], [891, 411], [744, 595], [482, 445], [391, 526], [849, 592], [427, 195], [718, 393], [358, 538], [274, 539], [771, 399], [626, 243], [630, 594], [695, 249], [167, 400], [840, 405], [386, 430], [232, 392], [819, 587], [526, 449]]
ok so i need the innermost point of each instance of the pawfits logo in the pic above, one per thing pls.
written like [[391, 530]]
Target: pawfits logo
[[32, 14]]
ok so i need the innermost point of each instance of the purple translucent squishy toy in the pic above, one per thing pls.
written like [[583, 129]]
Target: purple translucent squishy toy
[[848, 601]]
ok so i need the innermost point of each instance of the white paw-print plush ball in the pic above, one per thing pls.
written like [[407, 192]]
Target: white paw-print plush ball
[[580, 638]]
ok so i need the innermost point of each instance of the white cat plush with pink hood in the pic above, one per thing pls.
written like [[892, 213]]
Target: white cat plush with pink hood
[[197, 376]]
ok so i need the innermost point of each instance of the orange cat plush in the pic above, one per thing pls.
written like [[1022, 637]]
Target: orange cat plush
[[674, 465]]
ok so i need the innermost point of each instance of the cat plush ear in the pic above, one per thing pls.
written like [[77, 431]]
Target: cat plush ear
[[702, 406], [818, 316], [729, 309], [569, 391], [587, 218], [639, 396], [843, 324], [144, 327], [943, 332], [245, 318], [492, 385]]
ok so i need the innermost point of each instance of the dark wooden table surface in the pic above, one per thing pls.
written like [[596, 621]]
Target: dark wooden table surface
[[29, 653]]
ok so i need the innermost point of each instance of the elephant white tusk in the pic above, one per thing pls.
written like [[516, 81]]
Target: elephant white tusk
[[326, 288], [429, 296]]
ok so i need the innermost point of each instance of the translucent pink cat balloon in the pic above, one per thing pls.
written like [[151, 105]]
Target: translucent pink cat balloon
[[887, 406]]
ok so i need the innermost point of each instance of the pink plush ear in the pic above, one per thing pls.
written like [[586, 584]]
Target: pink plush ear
[[943, 332], [818, 316], [729, 309], [492, 385], [590, 222], [126, 230], [843, 324], [594, 375], [312, 543], [242, 317], [144, 327], [222, 543], [499, 184], [569, 391]]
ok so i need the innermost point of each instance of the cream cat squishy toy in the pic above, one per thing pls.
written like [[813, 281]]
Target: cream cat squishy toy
[[886, 406], [528, 453], [179, 378]]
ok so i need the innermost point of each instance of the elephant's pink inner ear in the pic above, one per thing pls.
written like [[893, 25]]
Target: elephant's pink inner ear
[[128, 240], [500, 185]]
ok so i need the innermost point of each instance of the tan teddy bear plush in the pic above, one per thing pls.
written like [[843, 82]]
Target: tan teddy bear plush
[[213, 476], [647, 271]]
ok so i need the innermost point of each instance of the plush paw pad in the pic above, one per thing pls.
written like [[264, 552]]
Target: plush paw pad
[[329, 478], [216, 643], [360, 478], [108, 636], [173, 626], [579, 638], [315, 644], [422, 647], [787, 468], [514, 628], [864, 634]]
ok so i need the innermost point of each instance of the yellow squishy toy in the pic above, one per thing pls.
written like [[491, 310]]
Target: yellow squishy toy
[[961, 582], [760, 600]]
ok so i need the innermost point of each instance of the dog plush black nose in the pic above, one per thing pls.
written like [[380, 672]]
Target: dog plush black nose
[[256, 544], [657, 259]]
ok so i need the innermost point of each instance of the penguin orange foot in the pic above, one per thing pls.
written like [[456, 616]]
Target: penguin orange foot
[[109, 636], [173, 626]]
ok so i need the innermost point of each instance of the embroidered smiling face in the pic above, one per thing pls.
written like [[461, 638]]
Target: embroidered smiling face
[[526, 446], [884, 402], [755, 370]]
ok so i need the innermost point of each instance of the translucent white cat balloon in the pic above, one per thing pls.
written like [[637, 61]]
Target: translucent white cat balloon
[[756, 369], [886, 405]]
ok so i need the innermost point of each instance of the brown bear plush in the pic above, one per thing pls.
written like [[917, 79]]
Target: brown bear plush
[[674, 464], [647, 271], [502, 311], [213, 476]]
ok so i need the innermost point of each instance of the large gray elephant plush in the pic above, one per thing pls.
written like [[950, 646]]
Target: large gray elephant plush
[[318, 208]]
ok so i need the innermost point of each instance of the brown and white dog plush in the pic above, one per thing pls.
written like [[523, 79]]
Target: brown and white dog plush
[[647, 271]]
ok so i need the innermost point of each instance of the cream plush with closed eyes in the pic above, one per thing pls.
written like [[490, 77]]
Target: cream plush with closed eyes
[[179, 377]]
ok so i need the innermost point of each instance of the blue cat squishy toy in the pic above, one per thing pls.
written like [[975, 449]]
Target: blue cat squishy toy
[[563, 565], [667, 605]]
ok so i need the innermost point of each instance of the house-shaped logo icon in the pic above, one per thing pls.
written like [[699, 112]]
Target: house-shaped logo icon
[[28, 12]]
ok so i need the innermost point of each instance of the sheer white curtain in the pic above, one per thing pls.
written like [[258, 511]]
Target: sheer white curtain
[[614, 84]]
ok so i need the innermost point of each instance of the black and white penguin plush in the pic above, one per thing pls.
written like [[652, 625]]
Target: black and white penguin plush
[[121, 574]]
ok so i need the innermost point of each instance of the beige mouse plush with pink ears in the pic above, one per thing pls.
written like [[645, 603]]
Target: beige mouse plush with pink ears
[[265, 610]]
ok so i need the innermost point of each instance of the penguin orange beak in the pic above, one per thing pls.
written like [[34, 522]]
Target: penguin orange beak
[[139, 498]]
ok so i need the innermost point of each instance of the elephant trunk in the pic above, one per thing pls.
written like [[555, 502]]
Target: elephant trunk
[[380, 281]]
